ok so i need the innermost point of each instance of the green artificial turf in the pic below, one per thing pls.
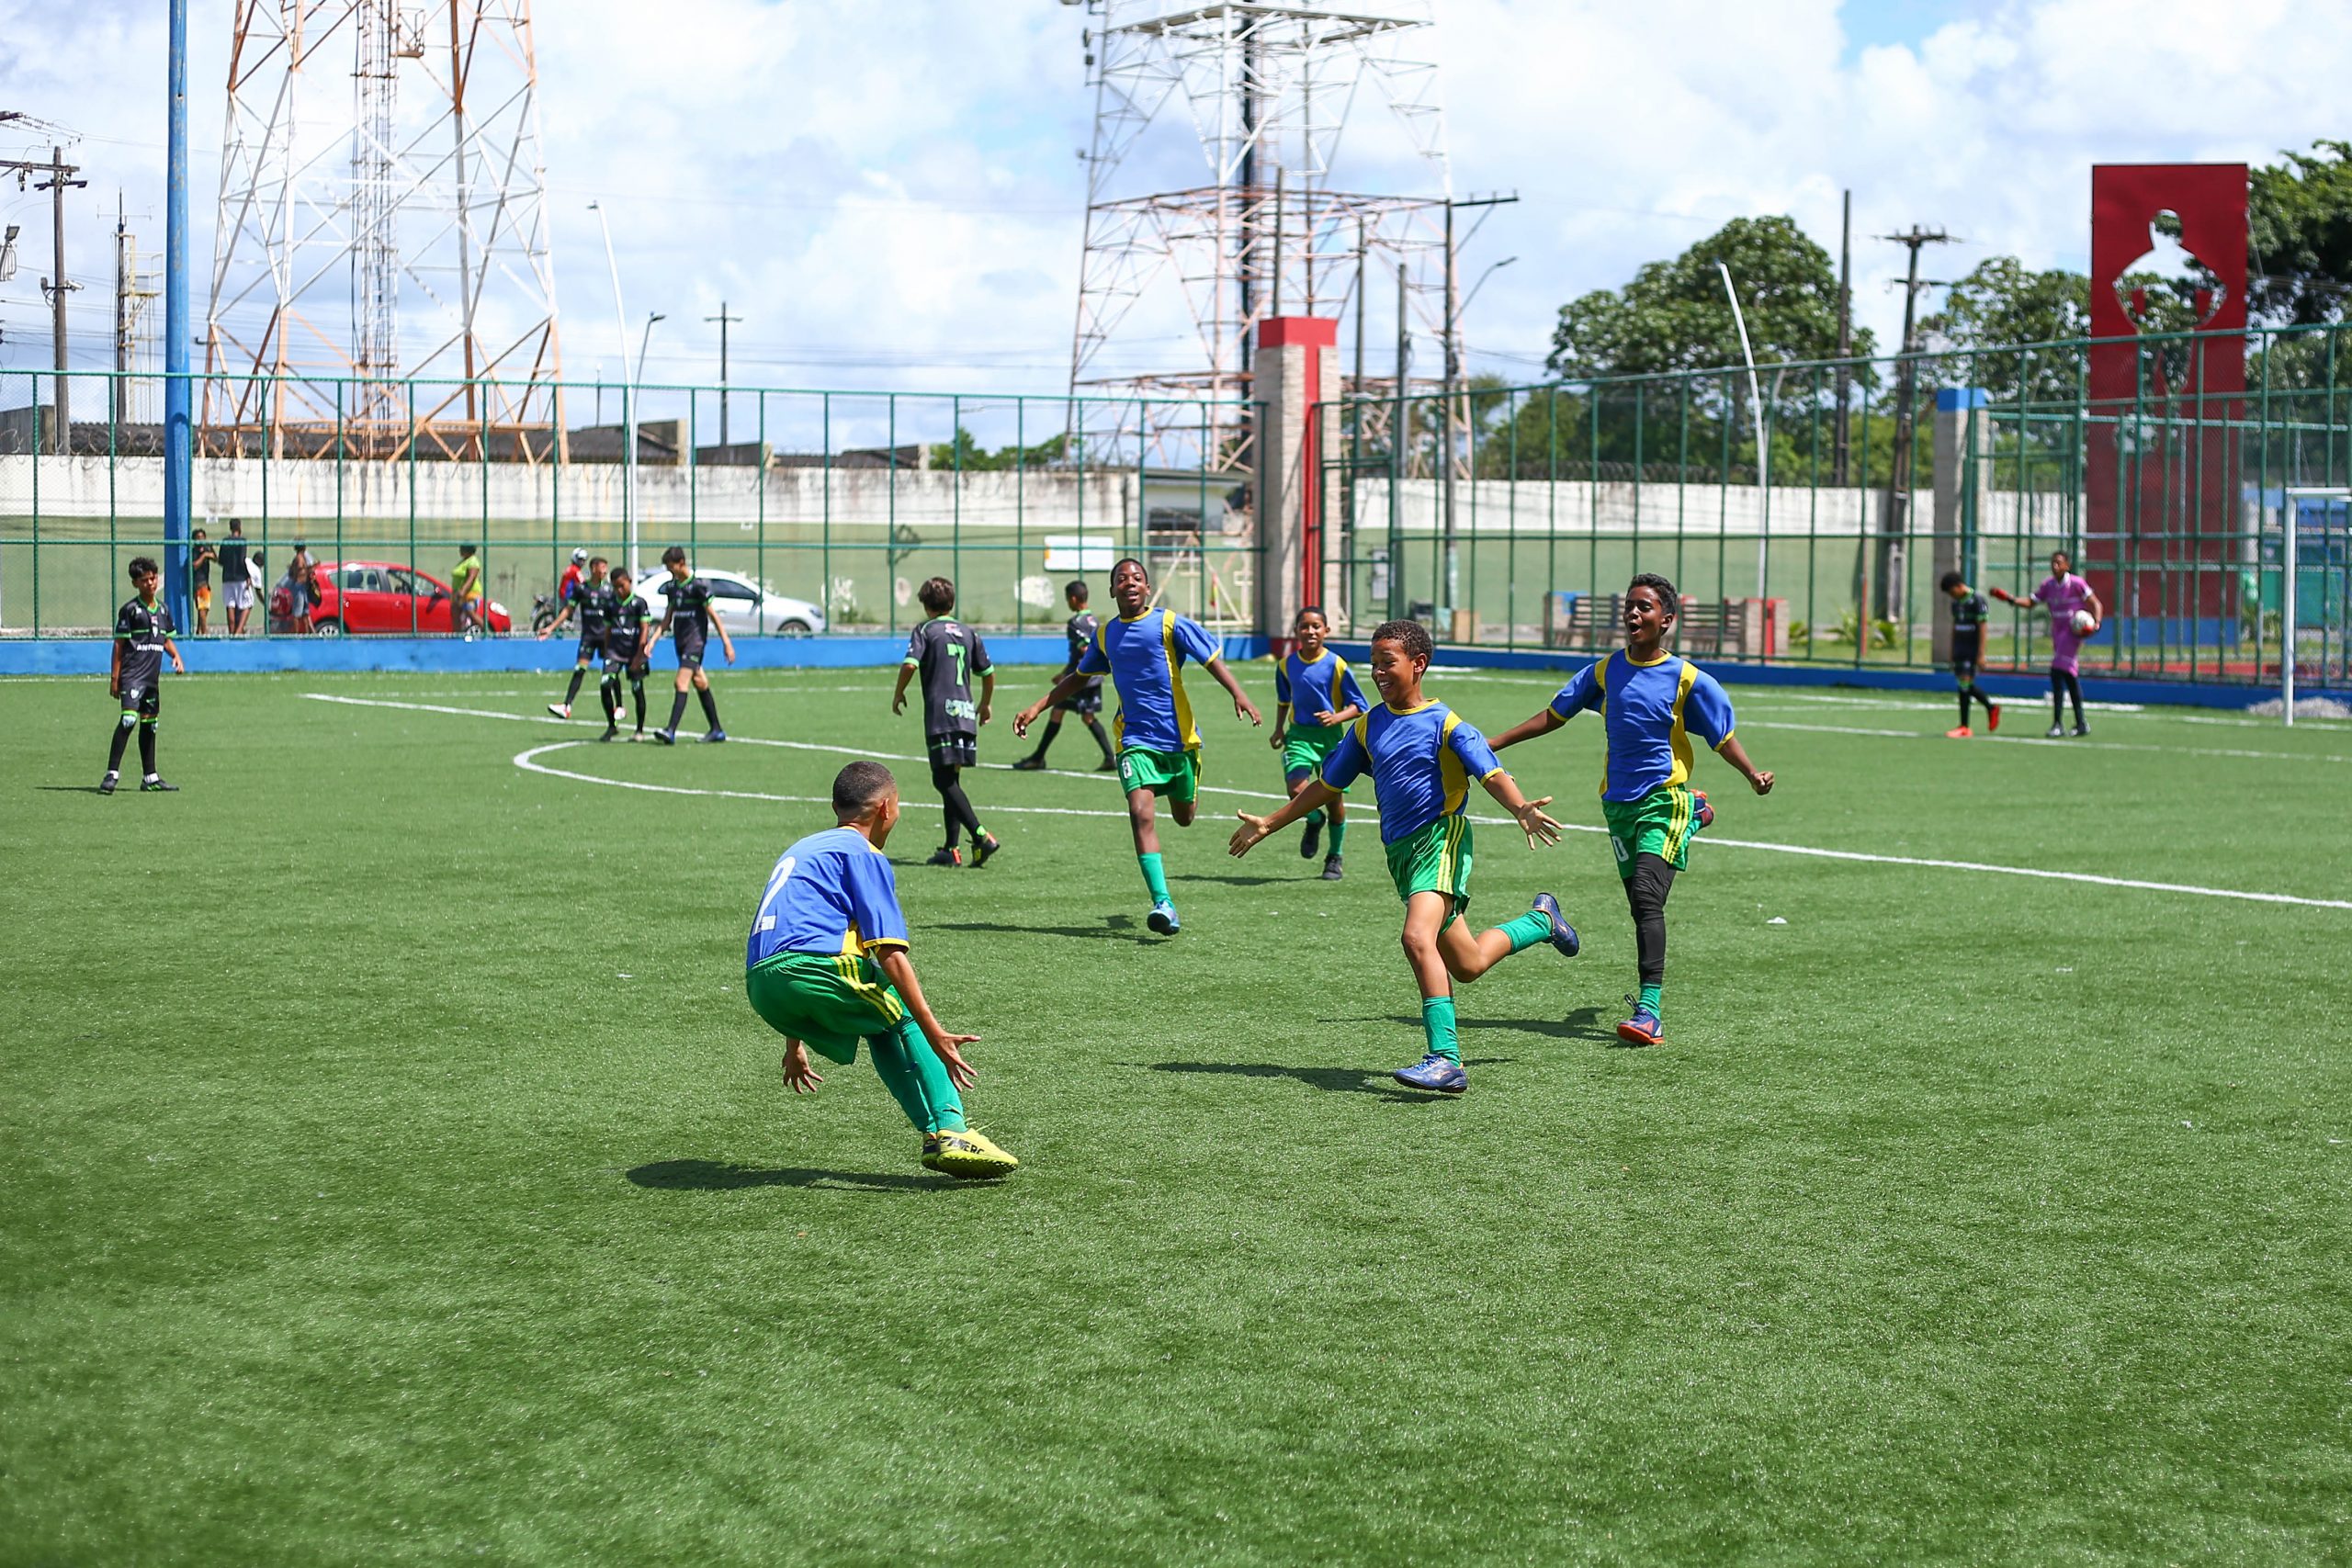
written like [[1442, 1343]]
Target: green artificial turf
[[395, 1173]]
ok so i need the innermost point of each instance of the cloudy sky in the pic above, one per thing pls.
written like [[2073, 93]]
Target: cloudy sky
[[887, 194]]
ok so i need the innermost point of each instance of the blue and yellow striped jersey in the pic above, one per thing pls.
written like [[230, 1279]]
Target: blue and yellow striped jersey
[[830, 893], [1648, 712], [1322, 684], [1421, 761], [1143, 657]]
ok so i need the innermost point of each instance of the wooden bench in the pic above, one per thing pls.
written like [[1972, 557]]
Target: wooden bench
[[1736, 628]]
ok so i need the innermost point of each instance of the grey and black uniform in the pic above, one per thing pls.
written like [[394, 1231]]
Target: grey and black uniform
[[145, 632], [624, 654], [1968, 617], [595, 606], [1087, 702], [947, 656], [689, 612]]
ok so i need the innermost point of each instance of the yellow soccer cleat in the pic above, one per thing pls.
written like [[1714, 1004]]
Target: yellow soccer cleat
[[967, 1156]]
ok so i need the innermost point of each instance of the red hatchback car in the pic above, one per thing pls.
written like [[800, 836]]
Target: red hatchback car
[[371, 598]]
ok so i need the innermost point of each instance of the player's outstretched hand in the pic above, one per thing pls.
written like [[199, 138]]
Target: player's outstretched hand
[[799, 1075], [1328, 717], [1246, 837], [1275, 740], [543, 633], [1244, 708], [1539, 827], [951, 1056], [1761, 784], [2005, 596], [1023, 720]]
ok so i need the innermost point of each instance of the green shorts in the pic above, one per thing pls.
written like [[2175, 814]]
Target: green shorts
[[1306, 746], [829, 1000], [1659, 824], [1434, 860], [1176, 775]]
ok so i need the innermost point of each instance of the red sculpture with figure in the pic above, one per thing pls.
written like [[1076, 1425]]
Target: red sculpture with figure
[[2162, 487]]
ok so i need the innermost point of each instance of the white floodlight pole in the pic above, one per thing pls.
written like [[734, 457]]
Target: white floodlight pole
[[1763, 453], [2286, 609], [628, 418]]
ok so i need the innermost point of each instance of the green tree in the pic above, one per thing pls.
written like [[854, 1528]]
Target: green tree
[[2300, 240], [966, 454], [2001, 303]]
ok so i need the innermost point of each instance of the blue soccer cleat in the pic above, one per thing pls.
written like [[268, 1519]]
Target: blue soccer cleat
[[1162, 918], [667, 737], [1434, 1073], [1563, 935], [1642, 1028], [1705, 815], [714, 737]]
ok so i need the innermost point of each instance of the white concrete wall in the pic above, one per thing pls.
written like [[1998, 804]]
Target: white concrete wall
[[1497, 508]]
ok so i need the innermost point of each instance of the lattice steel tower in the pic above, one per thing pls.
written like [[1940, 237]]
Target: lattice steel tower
[[355, 216], [1265, 88]]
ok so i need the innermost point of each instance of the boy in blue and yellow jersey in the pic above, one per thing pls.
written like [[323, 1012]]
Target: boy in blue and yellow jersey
[[1650, 702], [1143, 650], [1317, 682], [1422, 757], [827, 962]]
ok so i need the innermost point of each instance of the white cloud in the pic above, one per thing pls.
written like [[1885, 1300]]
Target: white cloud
[[894, 202]]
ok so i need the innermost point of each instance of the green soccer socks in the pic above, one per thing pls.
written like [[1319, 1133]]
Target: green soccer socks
[[918, 1080], [1315, 818], [1648, 998], [1437, 1023], [1338, 838], [1527, 929], [1154, 878]]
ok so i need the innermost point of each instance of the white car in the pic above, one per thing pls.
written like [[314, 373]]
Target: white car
[[745, 606]]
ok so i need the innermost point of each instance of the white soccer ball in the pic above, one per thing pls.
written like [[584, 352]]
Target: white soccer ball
[[2085, 623]]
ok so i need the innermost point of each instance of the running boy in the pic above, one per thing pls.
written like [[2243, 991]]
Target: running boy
[[1650, 703], [1089, 701], [1318, 685], [142, 636], [593, 600], [1968, 612], [1422, 757], [1143, 650], [688, 619], [627, 640], [2061, 593], [827, 962], [949, 655]]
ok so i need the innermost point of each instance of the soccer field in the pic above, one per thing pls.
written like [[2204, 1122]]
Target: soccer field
[[395, 1171]]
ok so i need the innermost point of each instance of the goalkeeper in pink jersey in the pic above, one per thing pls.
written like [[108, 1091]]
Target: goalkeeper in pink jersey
[[2063, 593]]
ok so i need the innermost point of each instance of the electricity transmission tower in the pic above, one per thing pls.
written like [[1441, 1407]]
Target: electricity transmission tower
[[382, 216], [1173, 282]]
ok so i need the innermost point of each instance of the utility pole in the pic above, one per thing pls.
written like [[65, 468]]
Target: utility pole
[[1397, 427], [57, 287], [121, 316], [1840, 423], [722, 319], [1453, 346], [1891, 553]]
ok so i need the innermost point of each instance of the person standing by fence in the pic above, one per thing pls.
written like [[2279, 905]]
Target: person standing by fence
[[466, 584], [236, 579]]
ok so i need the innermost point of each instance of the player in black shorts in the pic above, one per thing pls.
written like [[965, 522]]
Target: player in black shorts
[[949, 655], [690, 619], [1089, 700], [142, 636], [626, 647], [1968, 613], [591, 598]]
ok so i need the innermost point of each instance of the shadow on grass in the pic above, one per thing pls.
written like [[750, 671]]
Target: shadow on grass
[[1584, 1024], [1236, 879], [1116, 928], [1331, 1080], [76, 789], [714, 1176]]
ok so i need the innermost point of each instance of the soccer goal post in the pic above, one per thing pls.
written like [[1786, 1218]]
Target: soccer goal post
[[2290, 517]]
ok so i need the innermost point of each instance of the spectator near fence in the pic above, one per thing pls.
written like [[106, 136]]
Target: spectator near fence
[[200, 570], [467, 582], [298, 589], [236, 578]]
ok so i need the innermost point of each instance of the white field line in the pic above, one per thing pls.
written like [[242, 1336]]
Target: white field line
[[2085, 744], [527, 760]]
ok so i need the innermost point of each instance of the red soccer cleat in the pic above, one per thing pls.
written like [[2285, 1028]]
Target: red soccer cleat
[[1963, 733], [1993, 717]]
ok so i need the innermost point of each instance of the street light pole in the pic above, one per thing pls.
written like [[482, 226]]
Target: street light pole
[[629, 413]]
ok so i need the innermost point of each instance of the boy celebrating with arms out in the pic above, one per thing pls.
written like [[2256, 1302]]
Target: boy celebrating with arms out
[[1089, 701], [1318, 682], [143, 635], [1968, 613], [827, 962], [949, 655], [1422, 757], [1143, 651], [688, 617], [1650, 701]]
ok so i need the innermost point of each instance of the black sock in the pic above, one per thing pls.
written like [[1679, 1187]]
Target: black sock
[[2057, 698], [147, 747], [636, 690], [2074, 690], [115, 748], [608, 696], [1053, 727], [709, 707], [1094, 727], [677, 711], [1645, 890], [577, 676], [1964, 708]]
